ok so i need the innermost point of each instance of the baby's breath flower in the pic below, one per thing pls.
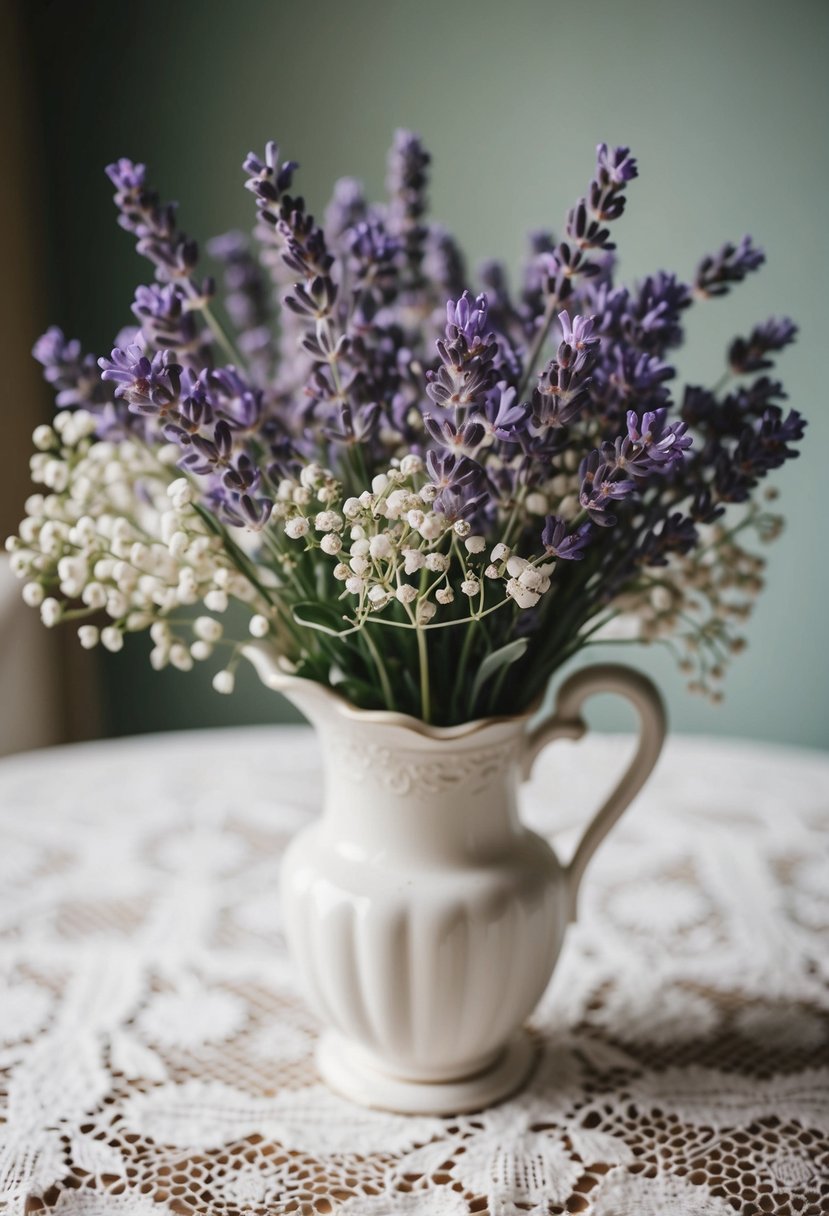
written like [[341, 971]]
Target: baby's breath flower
[[470, 586], [224, 682], [328, 521], [406, 593], [413, 560], [216, 601], [207, 628], [475, 544], [112, 639], [88, 636], [259, 626], [33, 594], [331, 544], [444, 595], [523, 596], [296, 527]]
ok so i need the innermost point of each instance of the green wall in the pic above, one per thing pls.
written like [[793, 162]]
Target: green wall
[[724, 103]]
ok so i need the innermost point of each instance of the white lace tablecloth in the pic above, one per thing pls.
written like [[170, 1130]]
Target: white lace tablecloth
[[156, 1056]]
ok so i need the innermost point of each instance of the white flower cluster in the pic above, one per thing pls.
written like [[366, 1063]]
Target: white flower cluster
[[695, 603], [389, 544], [116, 536]]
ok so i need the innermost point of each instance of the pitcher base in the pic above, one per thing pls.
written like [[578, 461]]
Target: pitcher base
[[342, 1068]]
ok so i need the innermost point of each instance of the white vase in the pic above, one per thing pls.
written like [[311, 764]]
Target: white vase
[[424, 919]]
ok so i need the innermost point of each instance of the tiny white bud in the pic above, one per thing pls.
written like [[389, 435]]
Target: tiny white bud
[[331, 544], [216, 601], [117, 605], [379, 483], [180, 657], [88, 636], [296, 527], [429, 493], [475, 544], [406, 593], [515, 565], [499, 554], [342, 572], [537, 503], [380, 546], [395, 503], [310, 475], [160, 633], [201, 651], [438, 563], [425, 611], [301, 496], [532, 578], [328, 521], [180, 492], [207, 628], [360, 548], [112, 639], [259, 626], [351, 508], [94, 595], [378, 595], [360, 564], [159, 657], [410, 465], [33, 594], [44, 438], [444, 595], [414, 518], [413, 560], [470, 586], [461, 528], [224, 682], [355, 585], [433, 526], [522, 595]]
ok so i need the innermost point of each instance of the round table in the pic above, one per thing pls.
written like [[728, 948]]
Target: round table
[[156, 1055]]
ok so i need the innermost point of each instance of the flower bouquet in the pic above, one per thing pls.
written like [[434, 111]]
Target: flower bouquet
[[425, 497], [425, 500]]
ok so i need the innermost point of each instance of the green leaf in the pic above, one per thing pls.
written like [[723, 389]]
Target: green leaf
[[499, 660], [322, 617]]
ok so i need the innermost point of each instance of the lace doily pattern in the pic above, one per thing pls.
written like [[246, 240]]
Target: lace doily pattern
[[156, 1057]]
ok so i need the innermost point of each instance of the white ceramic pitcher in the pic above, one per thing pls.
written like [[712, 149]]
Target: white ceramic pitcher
[[424, 919]]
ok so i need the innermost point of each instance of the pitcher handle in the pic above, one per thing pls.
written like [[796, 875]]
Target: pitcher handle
[[567, 723]]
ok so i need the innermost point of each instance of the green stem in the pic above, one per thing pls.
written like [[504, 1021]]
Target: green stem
[[221, 337], [535, 349], [382, 674], [423, 660]]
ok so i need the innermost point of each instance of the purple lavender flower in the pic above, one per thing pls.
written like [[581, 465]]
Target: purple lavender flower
[[603, 482], [407, 181], [579, 345], [615, 166], [751, 354], [149, 386], [74, 375], [568, 546], [467, 320], [656, 443], [717, 272]]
